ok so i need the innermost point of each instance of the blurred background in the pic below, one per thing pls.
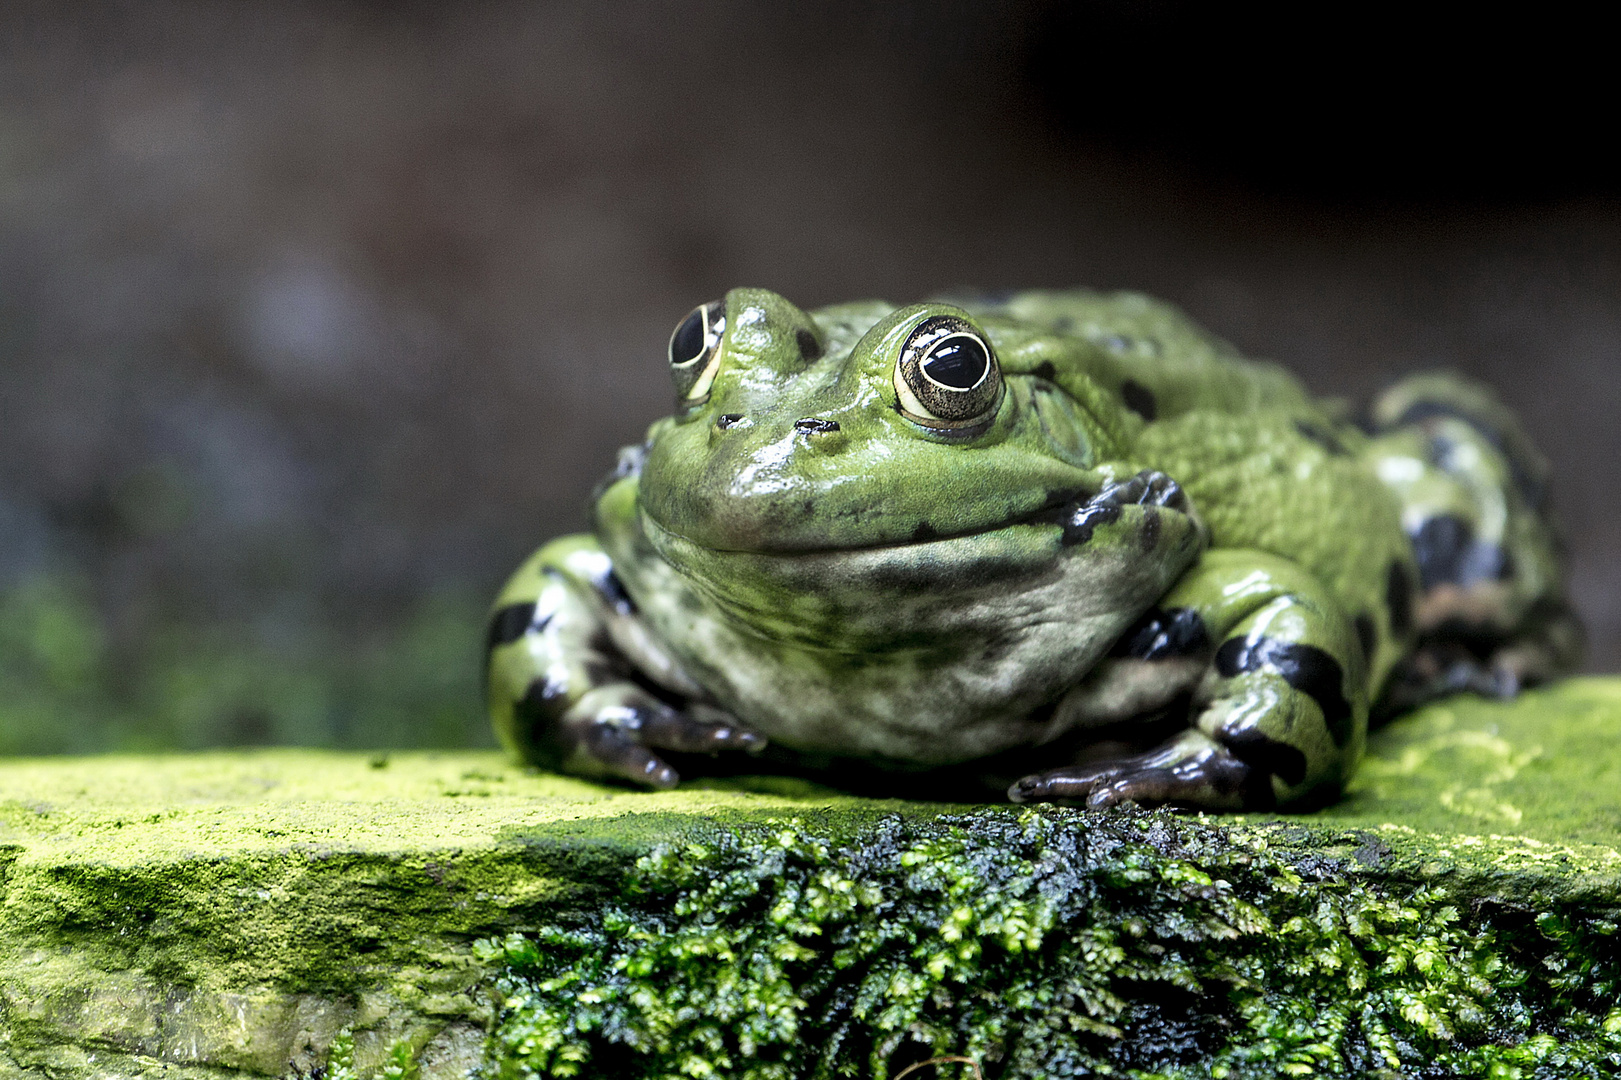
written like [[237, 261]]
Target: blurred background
[[316, 318]]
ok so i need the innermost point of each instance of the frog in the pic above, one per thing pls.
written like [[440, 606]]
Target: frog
[[1049, 546]]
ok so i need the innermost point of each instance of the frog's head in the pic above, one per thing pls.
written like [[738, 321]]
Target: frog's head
[[859, 427], [870, 477]]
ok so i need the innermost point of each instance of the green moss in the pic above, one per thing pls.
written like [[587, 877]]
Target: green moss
[[1047, 944], [1383, 935], [1545, 766], [236, 910], [229, 914], [400, 1064]]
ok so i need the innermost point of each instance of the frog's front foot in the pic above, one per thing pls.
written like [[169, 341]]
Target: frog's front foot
[[616, 730], [1147, 488], [1191, 770], [1271, 673], [570, 667]]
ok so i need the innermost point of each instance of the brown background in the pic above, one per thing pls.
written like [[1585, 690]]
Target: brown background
[[309, 311]]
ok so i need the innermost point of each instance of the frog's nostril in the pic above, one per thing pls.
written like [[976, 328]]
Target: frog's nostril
[[812, 425], [727, 419]]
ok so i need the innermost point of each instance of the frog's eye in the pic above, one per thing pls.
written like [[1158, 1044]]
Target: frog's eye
[[947, 376], [695, 350]]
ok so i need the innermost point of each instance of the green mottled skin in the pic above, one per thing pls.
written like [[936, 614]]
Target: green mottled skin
[[806, 554]]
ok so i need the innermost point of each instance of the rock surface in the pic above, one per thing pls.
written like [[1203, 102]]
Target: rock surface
[[303, 913]]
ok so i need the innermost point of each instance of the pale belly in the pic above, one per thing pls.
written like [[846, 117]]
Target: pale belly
[[930, 654]]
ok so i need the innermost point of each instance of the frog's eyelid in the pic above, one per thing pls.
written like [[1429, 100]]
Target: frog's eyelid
[[706, 378]]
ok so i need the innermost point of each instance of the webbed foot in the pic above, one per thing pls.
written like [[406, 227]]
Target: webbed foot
[[617, 729], [1548, 644], [1275, 679], [564, 646], [1191, 770]]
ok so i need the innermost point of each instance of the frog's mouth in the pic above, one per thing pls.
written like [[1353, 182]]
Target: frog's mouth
[[871, 599], [1091, 557], [1077, 514], [1054, 508], [1145, 518], [862, 574]]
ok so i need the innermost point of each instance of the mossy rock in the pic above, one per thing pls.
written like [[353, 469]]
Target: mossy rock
[[303, 913]]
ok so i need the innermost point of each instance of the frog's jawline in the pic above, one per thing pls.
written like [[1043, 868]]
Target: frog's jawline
[[1058, 510]]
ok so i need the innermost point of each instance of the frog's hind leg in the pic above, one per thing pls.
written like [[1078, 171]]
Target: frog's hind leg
[[575, 682], [1490, 614], [1453, 659], [1277, 682]]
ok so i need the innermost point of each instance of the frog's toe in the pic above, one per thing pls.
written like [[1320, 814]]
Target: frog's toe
[[700, 729], [624, 728], [1203, 786], [1441, 670], [1219, 788], [1069, 785], [1188, 771], [613, 748]]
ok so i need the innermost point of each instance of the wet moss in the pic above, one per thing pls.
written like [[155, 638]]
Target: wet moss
[[231, 914], [1048, 944], [1455, 915]]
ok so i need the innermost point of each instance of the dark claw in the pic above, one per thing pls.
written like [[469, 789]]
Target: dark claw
[[622, 738], [659, 774], [1147, 488], [1029, 789]]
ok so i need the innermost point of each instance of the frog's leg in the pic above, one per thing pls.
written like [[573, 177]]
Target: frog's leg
[[1490, 612], [575, 681], [1277, 681], [1547, 643]]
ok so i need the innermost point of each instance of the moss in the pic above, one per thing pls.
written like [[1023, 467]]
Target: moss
[[1047, 944], [229, 914], [1383, 935], [234, 911], [1545, 766]]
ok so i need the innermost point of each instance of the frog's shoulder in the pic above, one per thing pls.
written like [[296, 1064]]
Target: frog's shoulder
[[1157, 359]]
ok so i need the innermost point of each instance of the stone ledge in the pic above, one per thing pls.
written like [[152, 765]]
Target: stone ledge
[[232, 914]]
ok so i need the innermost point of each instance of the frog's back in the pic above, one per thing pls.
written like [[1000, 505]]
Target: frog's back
[[1434, 531], [1163, 363]]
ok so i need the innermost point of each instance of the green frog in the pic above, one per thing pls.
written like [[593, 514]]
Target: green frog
[[1061, 544]]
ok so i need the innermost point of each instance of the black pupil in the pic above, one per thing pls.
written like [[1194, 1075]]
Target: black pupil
[[960, 363], [688, 341]]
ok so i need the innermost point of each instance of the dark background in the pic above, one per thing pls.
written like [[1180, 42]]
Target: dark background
[[315, 318]]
